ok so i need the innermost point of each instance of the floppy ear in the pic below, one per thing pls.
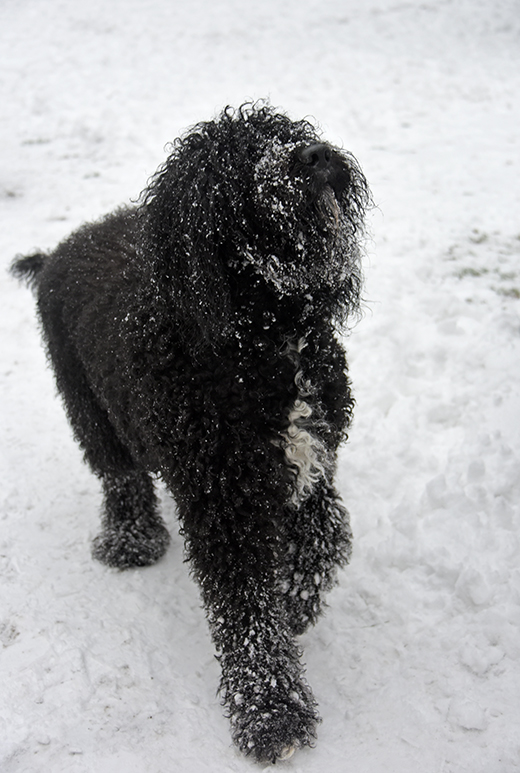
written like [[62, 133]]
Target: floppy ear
[[186, 209]]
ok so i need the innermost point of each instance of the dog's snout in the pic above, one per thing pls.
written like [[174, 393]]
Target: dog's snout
[[317, 156]]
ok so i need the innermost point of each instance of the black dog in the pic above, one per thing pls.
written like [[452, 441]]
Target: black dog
[[193, 337]]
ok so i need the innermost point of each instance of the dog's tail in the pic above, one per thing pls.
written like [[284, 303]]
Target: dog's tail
[[28, 268]]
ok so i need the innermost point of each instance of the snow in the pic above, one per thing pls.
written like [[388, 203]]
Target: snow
[[417, 664]]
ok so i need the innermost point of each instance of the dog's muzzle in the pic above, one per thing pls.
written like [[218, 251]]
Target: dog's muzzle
[[326, 169]]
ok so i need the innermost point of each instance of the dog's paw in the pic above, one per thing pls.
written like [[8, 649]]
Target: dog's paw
[[272, 732], [124, 549]]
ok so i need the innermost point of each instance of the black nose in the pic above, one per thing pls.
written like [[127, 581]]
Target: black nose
[[317, 156]]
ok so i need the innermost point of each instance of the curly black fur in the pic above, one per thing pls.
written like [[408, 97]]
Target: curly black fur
[[194, 336]]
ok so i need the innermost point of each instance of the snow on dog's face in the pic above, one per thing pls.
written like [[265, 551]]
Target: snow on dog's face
[[310, 200], [248, 201]]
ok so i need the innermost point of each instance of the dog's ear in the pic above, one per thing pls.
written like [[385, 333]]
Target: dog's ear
[[186, 212]]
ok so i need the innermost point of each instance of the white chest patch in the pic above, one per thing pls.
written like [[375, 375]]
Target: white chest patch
[[305, 454]]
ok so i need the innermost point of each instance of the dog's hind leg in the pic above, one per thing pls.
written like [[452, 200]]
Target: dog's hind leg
[[318, 541], [133, 533]]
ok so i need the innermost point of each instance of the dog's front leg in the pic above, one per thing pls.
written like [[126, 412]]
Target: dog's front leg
[[318, 541], [233, 551], [270, 705]]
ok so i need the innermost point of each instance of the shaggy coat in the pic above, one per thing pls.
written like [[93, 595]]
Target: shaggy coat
[[194, 337]]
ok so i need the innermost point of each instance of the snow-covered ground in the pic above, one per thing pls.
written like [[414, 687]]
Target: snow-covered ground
[[417, 664]]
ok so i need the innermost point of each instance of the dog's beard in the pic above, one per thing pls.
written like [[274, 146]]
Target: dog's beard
[[300, 235], [318, 257]]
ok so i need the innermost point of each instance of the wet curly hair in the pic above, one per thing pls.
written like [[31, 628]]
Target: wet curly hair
[[194, 337]]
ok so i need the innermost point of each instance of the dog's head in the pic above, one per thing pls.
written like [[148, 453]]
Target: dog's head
[[252, 205]]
